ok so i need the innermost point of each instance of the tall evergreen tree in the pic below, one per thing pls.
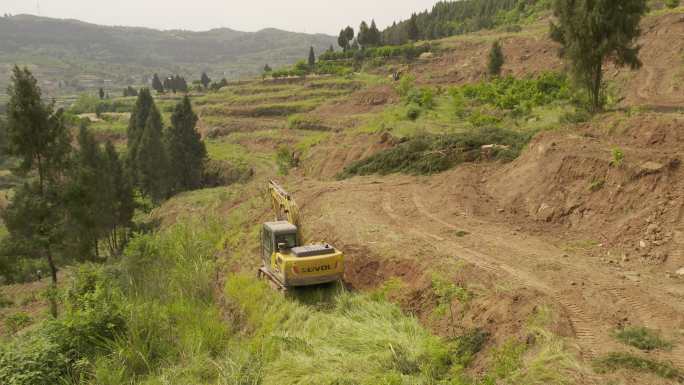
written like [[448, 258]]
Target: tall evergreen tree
[[185, 149], [84, 198], [342, 40], [136, 127], [495, 60], [101, 93], [374, 35], [312, 58], [349, 33], [151, 160], [412, 31], [157, 84], [119, 201], [592, 31], [363, 37], [205, 80], [38, 136]]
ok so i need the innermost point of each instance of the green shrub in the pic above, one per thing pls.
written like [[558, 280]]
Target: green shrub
[[427, 154], [672, 3], [516, 95], [286, 159], [618, 157], [616, 361], [642, 338], [32, 360], [413, 112], [406, 84]]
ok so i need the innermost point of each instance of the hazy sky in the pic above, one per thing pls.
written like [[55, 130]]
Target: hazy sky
[[310, 16]]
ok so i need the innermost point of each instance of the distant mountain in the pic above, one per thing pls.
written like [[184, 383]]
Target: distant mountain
[[70, 56]]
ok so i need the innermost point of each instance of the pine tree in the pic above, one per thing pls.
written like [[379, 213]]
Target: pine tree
[[412, 28], [591, 31], [157, 84], [363, 36], [119, 200], [374, 35], [84, 198], [312, 58], [101, 93], [205, 80], [185, 149], [342, 40], [38, 137], [496, 60], [151, 160], [349, 33], [136, 127]]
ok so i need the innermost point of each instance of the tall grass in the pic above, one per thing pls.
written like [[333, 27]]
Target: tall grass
[[354, 340]]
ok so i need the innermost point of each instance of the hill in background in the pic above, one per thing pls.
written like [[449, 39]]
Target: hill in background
[[72, 56]]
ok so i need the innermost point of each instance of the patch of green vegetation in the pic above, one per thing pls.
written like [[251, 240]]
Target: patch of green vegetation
[[310, 140], [427, 154], [389, 287], [642, 338], [92, 104], [618, 157], [446, 291], [516, 96], [407, 51], [596, 185], [357, 339], [17, 321], [618, 360], [109, 123], [306, 122], [286, 159], [264, 110]]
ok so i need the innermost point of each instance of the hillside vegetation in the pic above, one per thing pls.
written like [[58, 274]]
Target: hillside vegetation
[[69, 55]]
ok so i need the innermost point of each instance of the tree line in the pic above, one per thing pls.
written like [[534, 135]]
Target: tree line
[[77, 202], [446, 18]]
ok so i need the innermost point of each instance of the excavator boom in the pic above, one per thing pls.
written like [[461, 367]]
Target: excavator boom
[[285, 207]]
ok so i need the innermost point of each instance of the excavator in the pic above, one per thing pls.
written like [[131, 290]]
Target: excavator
[[286, 260]]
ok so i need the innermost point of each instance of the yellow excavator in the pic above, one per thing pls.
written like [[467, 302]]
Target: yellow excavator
[[286, 260]]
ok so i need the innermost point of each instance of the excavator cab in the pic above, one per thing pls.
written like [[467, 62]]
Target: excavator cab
[[277, 237]]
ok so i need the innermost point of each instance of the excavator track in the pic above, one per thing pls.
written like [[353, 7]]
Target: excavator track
[[265, 274]]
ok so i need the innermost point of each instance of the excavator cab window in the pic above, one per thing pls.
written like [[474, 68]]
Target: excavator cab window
[[286, 241], [266, 244]]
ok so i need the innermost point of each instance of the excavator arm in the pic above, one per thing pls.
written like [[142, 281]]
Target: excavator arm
[[285, 207]]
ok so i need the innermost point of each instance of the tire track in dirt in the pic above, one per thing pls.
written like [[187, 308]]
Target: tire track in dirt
[[580, 320], [582, 327], [649, 91]]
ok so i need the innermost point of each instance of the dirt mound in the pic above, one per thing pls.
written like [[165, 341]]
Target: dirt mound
[[573, 181], [331, 157], [466, 59], [659, 83]]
